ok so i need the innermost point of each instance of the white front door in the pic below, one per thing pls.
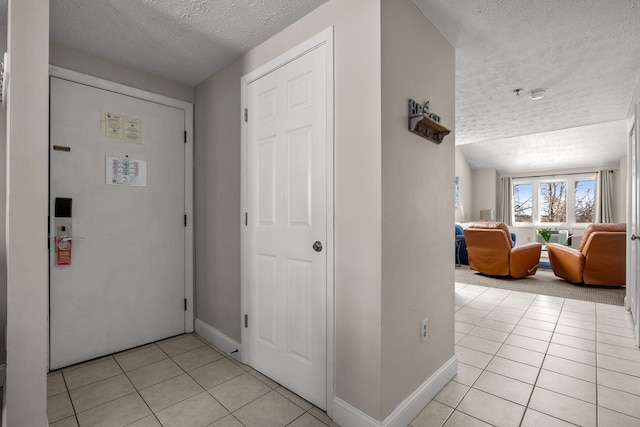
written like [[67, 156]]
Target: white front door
[[632, 302], [287, 225], [125, 283]]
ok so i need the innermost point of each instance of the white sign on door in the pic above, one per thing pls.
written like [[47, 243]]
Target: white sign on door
[[127, 172]]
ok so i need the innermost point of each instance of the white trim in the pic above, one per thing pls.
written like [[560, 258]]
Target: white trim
[[325, 38], [217, 338], [74, 76], [349, 416]]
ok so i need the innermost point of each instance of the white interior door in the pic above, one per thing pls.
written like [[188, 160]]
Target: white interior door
[[125, 285], [632, 302], [287, 225]]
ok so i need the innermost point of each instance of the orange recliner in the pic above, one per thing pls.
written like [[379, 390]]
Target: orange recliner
[[491, 251], [600, 260]]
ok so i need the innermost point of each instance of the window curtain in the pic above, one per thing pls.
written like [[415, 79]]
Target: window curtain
[[604, 194], [505, 202]]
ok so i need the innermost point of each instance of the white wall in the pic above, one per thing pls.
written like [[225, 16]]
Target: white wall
[[417, 204], [485, 191], [26, 221], [463, 213], [621, 193]]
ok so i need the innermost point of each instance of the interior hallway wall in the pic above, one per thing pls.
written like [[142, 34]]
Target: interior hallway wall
[[465, 199], [485, 192]]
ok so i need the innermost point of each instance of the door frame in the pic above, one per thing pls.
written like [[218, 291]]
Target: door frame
[[325, 38], [84, 79], [632, 300]]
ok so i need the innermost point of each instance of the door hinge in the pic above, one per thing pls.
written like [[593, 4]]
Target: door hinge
[[185, 220], [246, 114], [185, 304], [185, 136], [246, 218], [246, 320]]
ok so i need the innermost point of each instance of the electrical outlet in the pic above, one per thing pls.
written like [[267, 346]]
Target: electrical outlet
[[424, 330]]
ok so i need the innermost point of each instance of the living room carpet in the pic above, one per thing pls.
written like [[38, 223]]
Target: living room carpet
[[544, 282]]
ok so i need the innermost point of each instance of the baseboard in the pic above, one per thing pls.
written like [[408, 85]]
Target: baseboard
[[349, 416], [218, 339]]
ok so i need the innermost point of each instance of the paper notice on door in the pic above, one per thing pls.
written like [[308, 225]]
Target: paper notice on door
[[132, 129], [126, 172], [112, 125]]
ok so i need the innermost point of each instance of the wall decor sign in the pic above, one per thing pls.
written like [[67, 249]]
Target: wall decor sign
[[425, 123]]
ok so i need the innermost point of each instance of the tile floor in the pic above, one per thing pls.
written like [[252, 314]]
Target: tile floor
[[524, 360], [533, 360], [179, 382]]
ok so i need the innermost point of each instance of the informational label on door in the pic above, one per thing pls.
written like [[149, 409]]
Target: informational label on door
[[126, 172], [118, 126]]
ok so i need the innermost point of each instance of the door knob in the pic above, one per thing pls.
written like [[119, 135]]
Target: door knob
[[317, 246], [634, 237]]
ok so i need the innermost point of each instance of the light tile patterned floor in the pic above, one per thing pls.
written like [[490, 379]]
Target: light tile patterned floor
[[179, 382], [533, 360]]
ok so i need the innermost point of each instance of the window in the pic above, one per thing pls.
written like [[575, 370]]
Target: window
[[554, 200]]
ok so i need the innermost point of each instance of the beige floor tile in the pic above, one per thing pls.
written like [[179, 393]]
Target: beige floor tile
[[473, 311], [544, 310], [582, 324], [136, 359], [537, 324], [99, 392], [536, 419], [571, 353], [472, 357], [541, 316], [451, 394], [468, 318], [480, 344], [433, 415], [197, 411], [458, 336], [624, 366], [239, 391], [607, 417], [578, 306], [575, 342], [150, 421], [228, 421], [481, 305], [528, 343], [616, 340], [270, 410], [59, 407], [564, 407], [268, 381], [499, 326], [87, 363], [512, 369], [322, 416], [307, 420], [459, 419], [55, 384], [463, 327], [578, 316], [196, 358], [569, 386], [504, 387], [538, 334], [180, 344], [619, 401], [467, 374], [618, 381], [91, 373], [503, 317], [569, 367], [67, 422], [294, 398], [215, 373], [575, 332], [509, 311], [153, 374], [621, 352], [522, 355], [626, 323], [119, 412], [489, 334], [613, 330], [491, 409], [170, 392]]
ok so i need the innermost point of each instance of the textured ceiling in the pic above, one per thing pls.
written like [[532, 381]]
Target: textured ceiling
[[183, 40], [585, 53]]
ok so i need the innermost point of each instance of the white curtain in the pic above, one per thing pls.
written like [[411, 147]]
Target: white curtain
[[604, 194], [504, 202]]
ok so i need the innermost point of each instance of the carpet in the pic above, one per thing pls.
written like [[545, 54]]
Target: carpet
[[544, 282]]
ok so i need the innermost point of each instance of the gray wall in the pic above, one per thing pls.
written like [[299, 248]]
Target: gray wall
[[465, 200], [417, 203]]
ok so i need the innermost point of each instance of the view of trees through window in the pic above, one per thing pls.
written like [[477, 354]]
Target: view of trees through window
[[571, 200]]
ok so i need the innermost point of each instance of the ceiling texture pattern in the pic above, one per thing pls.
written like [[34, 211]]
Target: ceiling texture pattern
[[585, 53]]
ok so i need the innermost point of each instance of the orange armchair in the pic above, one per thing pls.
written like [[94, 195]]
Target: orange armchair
[[600, 259], [491, 251]]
